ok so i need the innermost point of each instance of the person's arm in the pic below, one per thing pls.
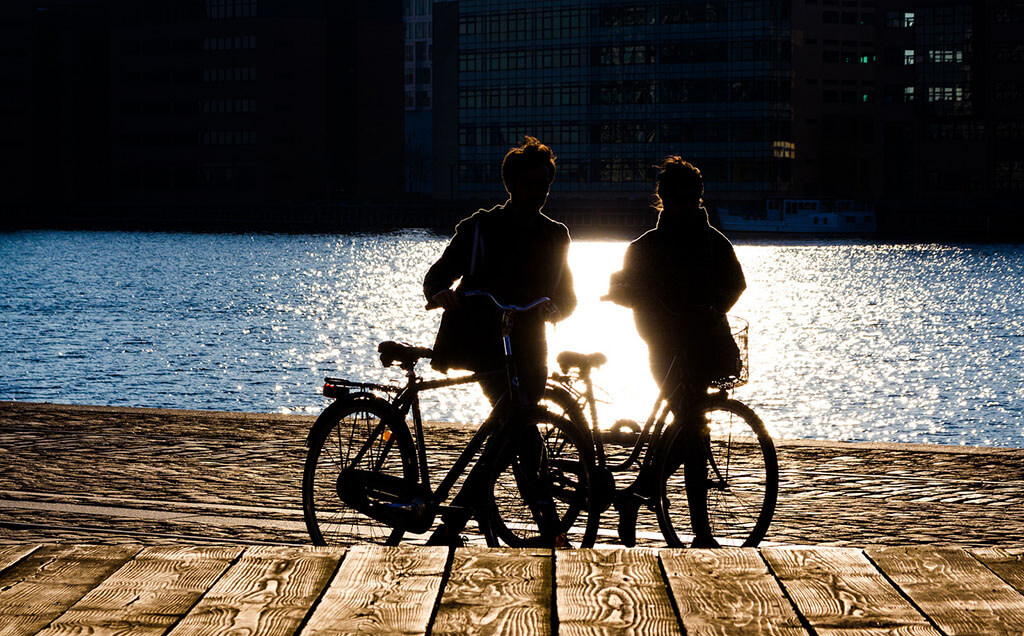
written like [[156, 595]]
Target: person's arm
[[452, 266], [622, 284], [564, 294], [731, 281]]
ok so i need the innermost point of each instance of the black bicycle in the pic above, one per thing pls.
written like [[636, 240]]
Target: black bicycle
[[733, 485], [367, 474]]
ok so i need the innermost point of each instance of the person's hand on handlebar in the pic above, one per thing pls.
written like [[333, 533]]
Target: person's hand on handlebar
[[621, 294], [445, 299], [551, 311]]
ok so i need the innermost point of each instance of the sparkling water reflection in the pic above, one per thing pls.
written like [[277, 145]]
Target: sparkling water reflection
[[849, 339]]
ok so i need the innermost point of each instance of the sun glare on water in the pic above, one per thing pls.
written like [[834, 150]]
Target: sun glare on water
[[625, 387]]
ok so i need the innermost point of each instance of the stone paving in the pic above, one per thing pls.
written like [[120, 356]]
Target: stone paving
[[110, 475]]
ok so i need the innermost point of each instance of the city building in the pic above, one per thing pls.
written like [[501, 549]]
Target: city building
[[615, 86], [913, 106], [418, 96], [121, 103], [951, 115], [17, 62], [268, 100]]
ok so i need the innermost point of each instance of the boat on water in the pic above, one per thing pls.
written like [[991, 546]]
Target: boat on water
[[803, 216]]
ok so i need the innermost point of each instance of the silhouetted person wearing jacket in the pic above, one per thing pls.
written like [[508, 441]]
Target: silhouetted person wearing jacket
[[517, 254], [680, 279]]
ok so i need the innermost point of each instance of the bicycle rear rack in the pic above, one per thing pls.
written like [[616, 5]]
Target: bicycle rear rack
[[340, 387]]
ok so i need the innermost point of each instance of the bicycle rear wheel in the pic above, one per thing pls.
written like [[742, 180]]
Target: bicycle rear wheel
[[741, 482], [544, 454], [364, 434]]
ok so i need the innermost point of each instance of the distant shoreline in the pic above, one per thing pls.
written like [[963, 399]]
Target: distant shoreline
[[7, 407], [598, 219]]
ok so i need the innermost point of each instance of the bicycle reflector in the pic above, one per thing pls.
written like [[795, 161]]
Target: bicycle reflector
[[332, 390]]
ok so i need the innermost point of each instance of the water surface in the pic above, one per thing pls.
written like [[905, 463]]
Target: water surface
[[849, 339]]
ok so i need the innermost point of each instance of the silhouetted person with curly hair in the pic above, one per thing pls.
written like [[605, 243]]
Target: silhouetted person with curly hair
[[680, 279], [517, 254]]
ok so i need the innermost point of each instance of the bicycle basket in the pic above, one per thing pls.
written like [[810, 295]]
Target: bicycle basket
[[740, 333]]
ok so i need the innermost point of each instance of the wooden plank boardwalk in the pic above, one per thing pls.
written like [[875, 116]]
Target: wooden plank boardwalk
[[367, 589]]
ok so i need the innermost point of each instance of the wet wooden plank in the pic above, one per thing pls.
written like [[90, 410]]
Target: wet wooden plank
[[954, 589], [728, 591], [612, 592], [497, 591], [381, 590], [840, 592], [269, 590], [1008, 564], [11, 554], [42, 586], [148, 594]]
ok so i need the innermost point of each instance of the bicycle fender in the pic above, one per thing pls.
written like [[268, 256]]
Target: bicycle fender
[[339, 404]]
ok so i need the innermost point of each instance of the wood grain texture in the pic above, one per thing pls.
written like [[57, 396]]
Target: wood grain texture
[[839, 592], [728, 591], [954, 589], [148, 594], [1008, 564], [269, 590], [381, 590], [40, 587], [497, 591], [612, 592], [11, 554]]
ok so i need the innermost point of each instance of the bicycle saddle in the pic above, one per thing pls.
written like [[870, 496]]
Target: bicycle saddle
[[582, 361], [404, 354]]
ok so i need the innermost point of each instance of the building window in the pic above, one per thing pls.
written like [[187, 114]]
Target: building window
[[908, 57], [945, 56], [1009, 175], [945, 93], [228, 9]]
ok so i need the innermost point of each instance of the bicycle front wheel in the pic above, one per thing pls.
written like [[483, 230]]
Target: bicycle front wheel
[[741, 478], [545, 466], [363, 434]]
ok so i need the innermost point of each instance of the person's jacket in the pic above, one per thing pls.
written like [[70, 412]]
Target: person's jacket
[[516, 261], [683, 277]]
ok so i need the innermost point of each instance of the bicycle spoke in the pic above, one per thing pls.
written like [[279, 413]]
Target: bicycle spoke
[[558, 477], [742, 477], [353, 438]]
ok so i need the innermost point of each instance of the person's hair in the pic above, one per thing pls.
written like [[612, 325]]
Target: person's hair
[[531, 154], [679, 183]]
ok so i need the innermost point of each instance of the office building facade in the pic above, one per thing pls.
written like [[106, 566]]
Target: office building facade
[[904, 104], [418, 83], [219, 102], [17, 103], [614, 86], [267, 100]]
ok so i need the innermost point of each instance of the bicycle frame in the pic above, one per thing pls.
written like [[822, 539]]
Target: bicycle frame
[[405, 400], [649, 438]]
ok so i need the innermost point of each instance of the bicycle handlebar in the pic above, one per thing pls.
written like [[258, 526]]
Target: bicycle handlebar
[[517, 308]]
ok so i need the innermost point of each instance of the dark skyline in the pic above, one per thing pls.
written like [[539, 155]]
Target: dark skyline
[[264, 105]]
